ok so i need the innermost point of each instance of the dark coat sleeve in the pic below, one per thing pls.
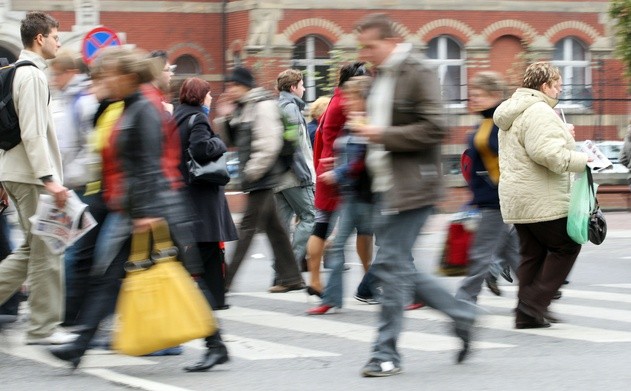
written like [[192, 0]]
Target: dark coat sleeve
[[204, 144]]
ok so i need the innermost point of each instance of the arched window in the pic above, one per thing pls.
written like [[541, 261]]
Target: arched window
[[311, 55], [187, 65], [572, 59], [447, 55]]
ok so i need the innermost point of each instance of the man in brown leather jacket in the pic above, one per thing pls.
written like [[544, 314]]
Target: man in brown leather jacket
[[405, 132]]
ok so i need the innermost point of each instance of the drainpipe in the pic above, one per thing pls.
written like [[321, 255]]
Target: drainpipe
[[224, 38]]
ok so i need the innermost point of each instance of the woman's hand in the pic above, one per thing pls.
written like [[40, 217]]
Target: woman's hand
[[144, 223], [225, 106], [328, 178]]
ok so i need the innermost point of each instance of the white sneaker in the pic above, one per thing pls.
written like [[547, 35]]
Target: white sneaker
[[56, 338]]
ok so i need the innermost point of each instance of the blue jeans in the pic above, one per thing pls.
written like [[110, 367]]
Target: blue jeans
[[493, 240], [353, 215], [396, 235], [299, 201]]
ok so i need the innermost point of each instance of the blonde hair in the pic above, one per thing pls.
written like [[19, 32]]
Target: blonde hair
[[318, 106], [491, 82], [129, 62], [66, 60], [540, 73]]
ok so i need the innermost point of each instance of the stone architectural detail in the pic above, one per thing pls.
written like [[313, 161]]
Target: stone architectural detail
[[5, 6], [457, 25], [404, 32], [588, 30], [528, 32], [335, 29], [194, 50], [86, 12], [263, 27]]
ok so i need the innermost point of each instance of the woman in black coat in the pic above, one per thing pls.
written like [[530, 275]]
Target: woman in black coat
[[214, 223]]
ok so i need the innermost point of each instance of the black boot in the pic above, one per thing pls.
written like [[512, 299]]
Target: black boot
[[68, 352], [213, 356]]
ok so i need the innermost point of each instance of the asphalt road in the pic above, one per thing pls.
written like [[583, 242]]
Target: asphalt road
[[274, 346]]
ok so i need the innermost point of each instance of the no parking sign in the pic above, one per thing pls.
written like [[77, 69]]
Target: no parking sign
[[97, 39]]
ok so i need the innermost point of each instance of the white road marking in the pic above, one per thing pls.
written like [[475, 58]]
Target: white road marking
[[567, 309], [588, 295], [623, 286], [506, 323], [257, 349], [131, 381], [354, 332]]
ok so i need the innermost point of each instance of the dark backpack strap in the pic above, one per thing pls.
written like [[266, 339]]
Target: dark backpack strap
[[191, 122]]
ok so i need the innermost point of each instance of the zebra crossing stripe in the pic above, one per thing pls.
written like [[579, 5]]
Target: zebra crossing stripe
[[586, 295], [257, 349], [504, 322], [317, 325], [566, 309], [93, 358]]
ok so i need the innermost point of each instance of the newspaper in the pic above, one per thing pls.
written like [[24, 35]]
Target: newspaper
[[599, 160], [60, 228]]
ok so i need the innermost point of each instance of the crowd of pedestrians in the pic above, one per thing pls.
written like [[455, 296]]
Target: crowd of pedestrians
[[369, 163]]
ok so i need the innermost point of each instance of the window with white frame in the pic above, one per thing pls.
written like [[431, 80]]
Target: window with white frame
[[447, 55], [311, 55], [572, 58]]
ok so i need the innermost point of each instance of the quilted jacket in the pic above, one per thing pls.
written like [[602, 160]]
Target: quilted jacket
[[537, 154]]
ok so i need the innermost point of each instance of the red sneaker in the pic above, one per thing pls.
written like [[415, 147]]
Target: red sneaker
[[320, 310], [414, 306]]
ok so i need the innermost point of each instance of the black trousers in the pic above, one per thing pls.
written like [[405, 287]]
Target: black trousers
[[213, 260], [261, 213], [79, 259], [547, 256]]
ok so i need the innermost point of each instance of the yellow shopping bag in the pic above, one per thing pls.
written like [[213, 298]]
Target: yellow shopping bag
[[159, 305]]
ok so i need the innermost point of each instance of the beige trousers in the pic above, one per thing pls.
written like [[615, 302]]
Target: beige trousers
[[33, 260]]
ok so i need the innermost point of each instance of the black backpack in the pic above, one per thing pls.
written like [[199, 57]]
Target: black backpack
[[9, 123]]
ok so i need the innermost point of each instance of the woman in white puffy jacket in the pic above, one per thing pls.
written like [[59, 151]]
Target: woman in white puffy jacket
[[537, 155]]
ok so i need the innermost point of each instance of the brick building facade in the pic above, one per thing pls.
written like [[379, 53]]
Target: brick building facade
[[208, 37]]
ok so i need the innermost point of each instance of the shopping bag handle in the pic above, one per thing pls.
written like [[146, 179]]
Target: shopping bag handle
[[593, 201], [141, 256]]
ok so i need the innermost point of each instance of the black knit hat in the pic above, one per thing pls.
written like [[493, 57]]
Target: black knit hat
[[242, 76]]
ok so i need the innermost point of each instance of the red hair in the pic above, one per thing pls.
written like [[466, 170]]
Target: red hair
[[194, 91]]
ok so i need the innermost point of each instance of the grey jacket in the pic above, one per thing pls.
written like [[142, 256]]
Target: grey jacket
[[414, 136], [73, 112], [256, 129], [302, 172]]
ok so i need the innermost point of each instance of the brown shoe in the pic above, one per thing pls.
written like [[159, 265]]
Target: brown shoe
[[286, 288]]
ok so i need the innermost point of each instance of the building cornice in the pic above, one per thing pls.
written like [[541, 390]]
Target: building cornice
[[368, 5]]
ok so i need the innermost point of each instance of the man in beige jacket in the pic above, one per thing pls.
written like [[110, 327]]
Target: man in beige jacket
[[31, 168]]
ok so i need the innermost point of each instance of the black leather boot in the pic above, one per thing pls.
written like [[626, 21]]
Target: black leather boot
[[68, 352], [213, 356]]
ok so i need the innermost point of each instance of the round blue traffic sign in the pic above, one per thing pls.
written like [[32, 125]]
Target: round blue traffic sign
[[97, 39]]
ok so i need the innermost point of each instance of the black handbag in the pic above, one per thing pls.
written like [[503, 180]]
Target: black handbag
[[597, 228], [214, 172]]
